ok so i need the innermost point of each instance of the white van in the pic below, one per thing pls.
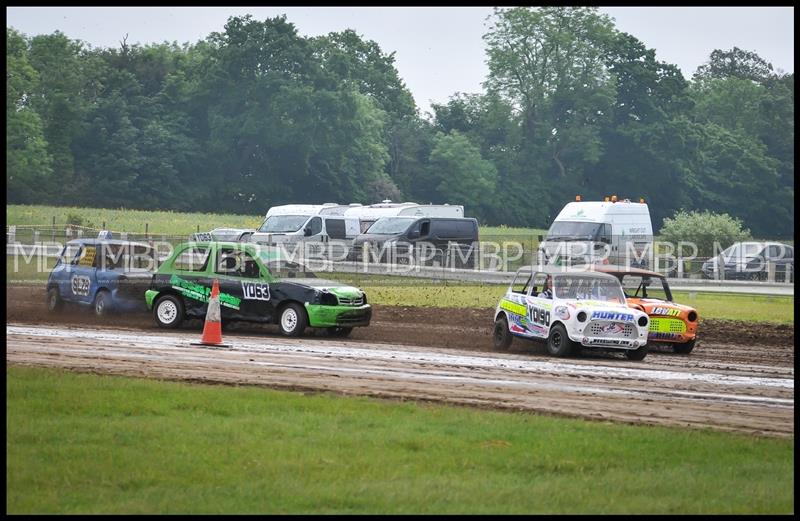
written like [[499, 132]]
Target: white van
[[613, 231], [367, 215], [294, 223]]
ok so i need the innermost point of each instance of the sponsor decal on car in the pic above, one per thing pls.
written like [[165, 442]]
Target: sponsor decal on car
[[202, 293], [664, 336], [513, 307], [612, 315], [665, 311], [613, 328]]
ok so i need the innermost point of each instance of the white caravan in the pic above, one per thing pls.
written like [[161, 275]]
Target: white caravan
[[612, 231], [369, 214]]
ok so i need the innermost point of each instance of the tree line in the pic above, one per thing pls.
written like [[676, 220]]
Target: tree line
[[258, 115]]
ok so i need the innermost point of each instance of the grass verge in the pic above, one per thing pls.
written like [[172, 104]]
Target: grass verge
[[79, 443]]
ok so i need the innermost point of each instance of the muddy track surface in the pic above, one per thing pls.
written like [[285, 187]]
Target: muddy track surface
[[728, 383]]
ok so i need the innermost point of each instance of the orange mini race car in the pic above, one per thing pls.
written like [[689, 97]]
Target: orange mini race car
[[670, 323]]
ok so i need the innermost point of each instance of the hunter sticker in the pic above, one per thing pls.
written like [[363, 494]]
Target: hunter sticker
[[80, 285], [255, 290]]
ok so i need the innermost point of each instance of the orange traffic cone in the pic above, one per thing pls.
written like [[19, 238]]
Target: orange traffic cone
[[212, 329]]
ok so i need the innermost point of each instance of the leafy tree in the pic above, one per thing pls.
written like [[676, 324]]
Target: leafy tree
[[703, 229], [734, 63], [459, 174], [28, 163]]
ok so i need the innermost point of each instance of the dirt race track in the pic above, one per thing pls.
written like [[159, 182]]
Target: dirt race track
[[739, 378]]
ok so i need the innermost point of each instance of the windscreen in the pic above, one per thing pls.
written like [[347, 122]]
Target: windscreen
[[581, 287], [391, 225], [573, 230], [283, 223]]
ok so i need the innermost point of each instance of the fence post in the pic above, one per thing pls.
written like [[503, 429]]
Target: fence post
[[680, 267], [35, 237], [11, 236], [770, 271], [53, 236], [147, 230], [104, 225]]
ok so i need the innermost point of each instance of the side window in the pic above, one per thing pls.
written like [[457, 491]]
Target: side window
[[236, 263], [539, 284], [605, 233], [192, 259], [336, 228], [424, 228], [71, 255], [316, 225]]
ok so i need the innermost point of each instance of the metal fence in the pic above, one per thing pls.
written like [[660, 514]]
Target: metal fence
[[512, 251]]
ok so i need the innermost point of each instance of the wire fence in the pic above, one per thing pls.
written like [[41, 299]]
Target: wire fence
[[491, 253]]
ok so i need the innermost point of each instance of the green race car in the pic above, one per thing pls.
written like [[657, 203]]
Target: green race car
[[256, 284]]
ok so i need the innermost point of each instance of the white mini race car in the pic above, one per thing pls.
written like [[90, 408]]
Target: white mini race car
[[570, 310]]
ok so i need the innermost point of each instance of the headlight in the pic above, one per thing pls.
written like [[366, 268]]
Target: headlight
[[328, 299], [582, 316], [364, 296], [642, 321], [692, 316]]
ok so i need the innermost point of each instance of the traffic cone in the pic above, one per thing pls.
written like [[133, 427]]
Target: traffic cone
[[212, 329]]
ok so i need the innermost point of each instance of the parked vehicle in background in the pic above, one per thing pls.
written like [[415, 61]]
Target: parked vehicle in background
[[435, 240], [613, 231], [293, 225], [225, 234], [104, 274], [368, 215], [569, 310], [749, 260], [257, 284], [671, 323]]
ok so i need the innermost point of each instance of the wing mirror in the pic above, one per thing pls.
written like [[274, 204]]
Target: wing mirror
[[413, 234]]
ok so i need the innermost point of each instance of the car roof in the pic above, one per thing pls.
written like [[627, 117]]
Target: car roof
[[272, 253], [561, 270], [112, 242], [614, 269]]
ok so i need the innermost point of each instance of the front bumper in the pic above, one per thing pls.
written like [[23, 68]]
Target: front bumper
[[338, 316]]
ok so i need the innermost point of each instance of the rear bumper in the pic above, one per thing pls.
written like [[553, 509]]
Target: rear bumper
[[338, 316]]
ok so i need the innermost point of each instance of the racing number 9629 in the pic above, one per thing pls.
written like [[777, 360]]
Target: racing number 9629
[[539, 316]]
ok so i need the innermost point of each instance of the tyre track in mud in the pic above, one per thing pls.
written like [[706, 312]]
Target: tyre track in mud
[[599, 389], [420, 353]]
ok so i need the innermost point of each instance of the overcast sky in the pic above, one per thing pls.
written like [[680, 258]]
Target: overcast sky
[[438, 50]]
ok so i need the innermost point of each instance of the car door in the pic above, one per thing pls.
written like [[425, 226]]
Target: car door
[[83, 276], [188, 273], [538, 309], [244, 289]]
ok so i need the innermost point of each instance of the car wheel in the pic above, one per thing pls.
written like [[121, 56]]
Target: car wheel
[[637, 354], [558, 343], [502, 336], [293, 320], [685, 348], [102, 303], [339, 332], [54, 302], [168, 311]]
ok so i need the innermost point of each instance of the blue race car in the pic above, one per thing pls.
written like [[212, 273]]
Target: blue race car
[[107, 274]]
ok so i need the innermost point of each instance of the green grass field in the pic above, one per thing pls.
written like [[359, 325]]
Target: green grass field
[[79, 443]]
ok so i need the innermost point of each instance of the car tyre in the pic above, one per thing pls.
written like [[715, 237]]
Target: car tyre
[[637, 354], [685, 348], [102, 303], [501, 336], [559, 343], [54, 301], [168, 311], [339, 332], [293, 320]]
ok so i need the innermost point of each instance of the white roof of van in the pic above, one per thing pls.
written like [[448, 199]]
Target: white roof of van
[[596, 210], [298, 209]]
